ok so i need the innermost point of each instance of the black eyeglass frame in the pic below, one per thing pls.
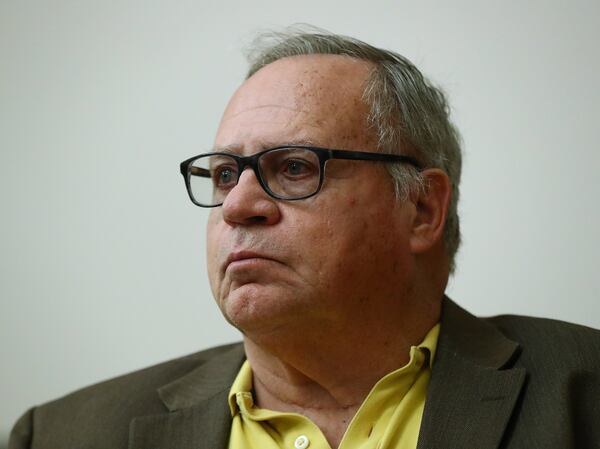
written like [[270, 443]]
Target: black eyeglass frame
[[324, 154]]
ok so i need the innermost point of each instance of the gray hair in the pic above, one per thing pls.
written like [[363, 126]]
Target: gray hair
[[407, 112]]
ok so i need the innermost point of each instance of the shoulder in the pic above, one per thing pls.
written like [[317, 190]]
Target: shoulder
[[562, 365], [104, 410], [136, 389], [554, 367], [552, 343]]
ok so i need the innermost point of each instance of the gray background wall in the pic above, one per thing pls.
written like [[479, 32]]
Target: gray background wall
[[102, 255]]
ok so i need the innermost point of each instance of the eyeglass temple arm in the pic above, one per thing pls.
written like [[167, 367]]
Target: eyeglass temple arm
[[363, 156], [202, 172]]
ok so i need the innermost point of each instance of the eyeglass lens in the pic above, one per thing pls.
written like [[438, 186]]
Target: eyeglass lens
[[288, 173]]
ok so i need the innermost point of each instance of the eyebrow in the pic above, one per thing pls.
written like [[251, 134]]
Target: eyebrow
[[234, 148], [265, 145]]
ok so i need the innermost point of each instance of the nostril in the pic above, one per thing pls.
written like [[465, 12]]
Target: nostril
[[257, 219]]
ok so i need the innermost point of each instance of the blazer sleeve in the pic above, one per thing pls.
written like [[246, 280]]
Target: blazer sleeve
[[22, 432]]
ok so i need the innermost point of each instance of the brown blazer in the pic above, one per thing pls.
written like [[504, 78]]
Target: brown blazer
[[502, 382]]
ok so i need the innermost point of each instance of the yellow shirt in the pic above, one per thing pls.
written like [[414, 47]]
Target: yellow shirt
[[389, 418]]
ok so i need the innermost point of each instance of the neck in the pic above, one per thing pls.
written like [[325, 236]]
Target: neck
[[326, 374]]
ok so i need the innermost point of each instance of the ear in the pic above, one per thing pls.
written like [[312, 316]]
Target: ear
[[431, 208]]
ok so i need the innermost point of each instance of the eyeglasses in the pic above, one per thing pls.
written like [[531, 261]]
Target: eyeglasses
[[285, 172]]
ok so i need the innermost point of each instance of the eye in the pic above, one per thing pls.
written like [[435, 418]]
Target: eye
[[225, 176], [283, 168], [296, 167]]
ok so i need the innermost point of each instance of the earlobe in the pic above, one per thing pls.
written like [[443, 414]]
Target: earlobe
[[431, 206]]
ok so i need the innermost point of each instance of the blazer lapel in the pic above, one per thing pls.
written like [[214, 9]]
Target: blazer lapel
[[199, 416], [471, 395]]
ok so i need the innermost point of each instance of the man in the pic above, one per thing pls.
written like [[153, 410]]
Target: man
[[334, 185]]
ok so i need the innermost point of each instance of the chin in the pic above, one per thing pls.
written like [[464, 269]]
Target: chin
[[252, 310]]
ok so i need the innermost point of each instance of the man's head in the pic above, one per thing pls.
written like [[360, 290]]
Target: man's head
[[408, 114], [365, 247]]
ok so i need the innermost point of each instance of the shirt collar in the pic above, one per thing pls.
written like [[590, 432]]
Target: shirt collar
[[243, 382]]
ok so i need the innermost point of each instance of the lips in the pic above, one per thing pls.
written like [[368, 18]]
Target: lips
[[243, 255]]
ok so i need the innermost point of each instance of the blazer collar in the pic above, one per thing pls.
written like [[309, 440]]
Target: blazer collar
[[199, 416], [473, 390], [473, 338], [213, 377]]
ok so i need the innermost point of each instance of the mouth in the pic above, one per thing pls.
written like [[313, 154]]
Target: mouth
[[245, 255]]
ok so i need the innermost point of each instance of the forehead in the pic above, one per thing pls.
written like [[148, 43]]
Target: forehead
[[314, 98]]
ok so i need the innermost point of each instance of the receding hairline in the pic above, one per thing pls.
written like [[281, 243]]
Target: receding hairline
[[332, 82], [351, 66], [325, 56]]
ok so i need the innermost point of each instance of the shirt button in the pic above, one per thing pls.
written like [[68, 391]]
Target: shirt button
[[301, 442]]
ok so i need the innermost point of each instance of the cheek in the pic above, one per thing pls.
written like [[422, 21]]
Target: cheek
[[212, 251], [333, 247], [372, 239]]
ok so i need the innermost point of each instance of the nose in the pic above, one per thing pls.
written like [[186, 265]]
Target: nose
[[248, 204]]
